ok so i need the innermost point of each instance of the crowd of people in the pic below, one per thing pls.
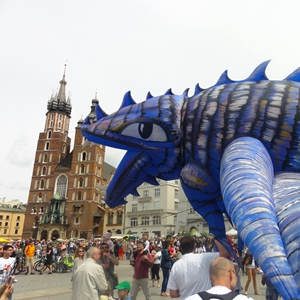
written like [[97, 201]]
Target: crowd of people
[[191, 268]]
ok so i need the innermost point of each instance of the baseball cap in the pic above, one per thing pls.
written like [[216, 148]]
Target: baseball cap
[[124, 285]]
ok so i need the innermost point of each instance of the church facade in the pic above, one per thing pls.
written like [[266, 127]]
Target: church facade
[[67, 187]]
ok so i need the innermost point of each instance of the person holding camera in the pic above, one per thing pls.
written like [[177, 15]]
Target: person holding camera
[[142, 262]]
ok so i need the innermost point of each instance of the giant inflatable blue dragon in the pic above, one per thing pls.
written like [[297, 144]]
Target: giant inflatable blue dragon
[[236, 149]]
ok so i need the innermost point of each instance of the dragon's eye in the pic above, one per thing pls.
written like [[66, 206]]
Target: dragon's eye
[[145, 131]]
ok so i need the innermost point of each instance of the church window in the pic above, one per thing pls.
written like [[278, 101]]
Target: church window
[[49, 134], [42, 184], [45, 158], [83, 156], [40, 197], [81, 182], [61, 186], [47, 146], [82, 169], [44, 171]]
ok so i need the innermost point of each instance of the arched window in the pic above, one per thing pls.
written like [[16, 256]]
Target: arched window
[[47, 145], [44, 171], [61, 186], [83, 156], [49, 134], [42, 184], [82, 169], [45, 158], [40, 197], [81, 182]]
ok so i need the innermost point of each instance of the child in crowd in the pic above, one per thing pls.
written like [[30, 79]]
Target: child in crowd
[[123, 290]]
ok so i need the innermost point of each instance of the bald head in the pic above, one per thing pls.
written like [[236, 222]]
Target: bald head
[[94, 253], [222, 272]]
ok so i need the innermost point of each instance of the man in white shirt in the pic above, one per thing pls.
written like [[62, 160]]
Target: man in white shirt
[[190, 274], [7, 263], [223, 279]]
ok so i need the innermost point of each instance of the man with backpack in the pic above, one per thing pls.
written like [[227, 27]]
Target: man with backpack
[[223, 279]]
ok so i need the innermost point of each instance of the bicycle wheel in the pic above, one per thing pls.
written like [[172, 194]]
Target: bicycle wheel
[[39, 266]]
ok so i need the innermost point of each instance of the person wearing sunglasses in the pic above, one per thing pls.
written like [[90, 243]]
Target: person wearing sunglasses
[[79, 259]]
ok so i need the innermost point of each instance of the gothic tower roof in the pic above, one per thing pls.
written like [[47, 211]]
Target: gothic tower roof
[[60, 102]]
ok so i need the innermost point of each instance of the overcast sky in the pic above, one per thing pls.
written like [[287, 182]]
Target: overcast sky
[[115, 46]]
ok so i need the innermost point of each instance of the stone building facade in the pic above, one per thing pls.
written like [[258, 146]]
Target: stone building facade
[[155, 211], [66, 191]]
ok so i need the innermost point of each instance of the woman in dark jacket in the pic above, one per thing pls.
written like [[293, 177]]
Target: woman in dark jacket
[[166, 265]]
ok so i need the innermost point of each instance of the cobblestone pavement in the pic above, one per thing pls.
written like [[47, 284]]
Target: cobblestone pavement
[[58, 286]]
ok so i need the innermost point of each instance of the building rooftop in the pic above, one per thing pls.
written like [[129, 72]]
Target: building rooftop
[[18, 209], [108, 171]]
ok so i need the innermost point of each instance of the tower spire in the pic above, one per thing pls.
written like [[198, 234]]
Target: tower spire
[[60, 101], [61, 97]]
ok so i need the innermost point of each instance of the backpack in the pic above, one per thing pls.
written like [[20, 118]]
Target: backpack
[[208, 296]]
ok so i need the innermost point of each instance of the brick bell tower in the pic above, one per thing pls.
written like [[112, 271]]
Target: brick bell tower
[[84, 206], [48, 192]]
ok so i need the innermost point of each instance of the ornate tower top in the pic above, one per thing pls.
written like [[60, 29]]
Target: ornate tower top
[[59, 102]]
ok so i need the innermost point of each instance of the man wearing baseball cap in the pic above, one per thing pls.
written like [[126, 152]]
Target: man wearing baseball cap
[[123, 290]]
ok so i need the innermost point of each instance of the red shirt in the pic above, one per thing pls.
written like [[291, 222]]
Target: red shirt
[[141, 266]]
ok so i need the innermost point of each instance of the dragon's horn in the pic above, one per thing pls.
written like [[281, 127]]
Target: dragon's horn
[[186, 92], [100, 112], [127, 100], [169, 92], [86, 121], [151, 180], [224, 78], [135, 193], [198, 89], [295, 76], [259, 73], [149, 96]]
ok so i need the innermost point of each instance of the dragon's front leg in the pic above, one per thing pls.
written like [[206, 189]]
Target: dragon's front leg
[[247, 186]]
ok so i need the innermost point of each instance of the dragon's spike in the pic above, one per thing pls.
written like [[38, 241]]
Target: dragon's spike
[[186, 92], [198, 89], [86, 121], [127, 100], [149, 96], [135, 193], [151, 180], [224, 78], [295, 76], [100, 113], [259, 73], [169, 92]]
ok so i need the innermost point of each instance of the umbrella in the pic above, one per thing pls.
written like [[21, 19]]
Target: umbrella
[[3, 240]]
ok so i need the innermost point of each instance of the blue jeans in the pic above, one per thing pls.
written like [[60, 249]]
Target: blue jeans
[[166, 274]]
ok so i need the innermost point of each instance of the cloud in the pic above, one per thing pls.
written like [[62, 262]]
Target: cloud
[[21, 153]]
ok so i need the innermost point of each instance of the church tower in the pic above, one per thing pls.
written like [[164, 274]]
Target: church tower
[[53, 149]]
